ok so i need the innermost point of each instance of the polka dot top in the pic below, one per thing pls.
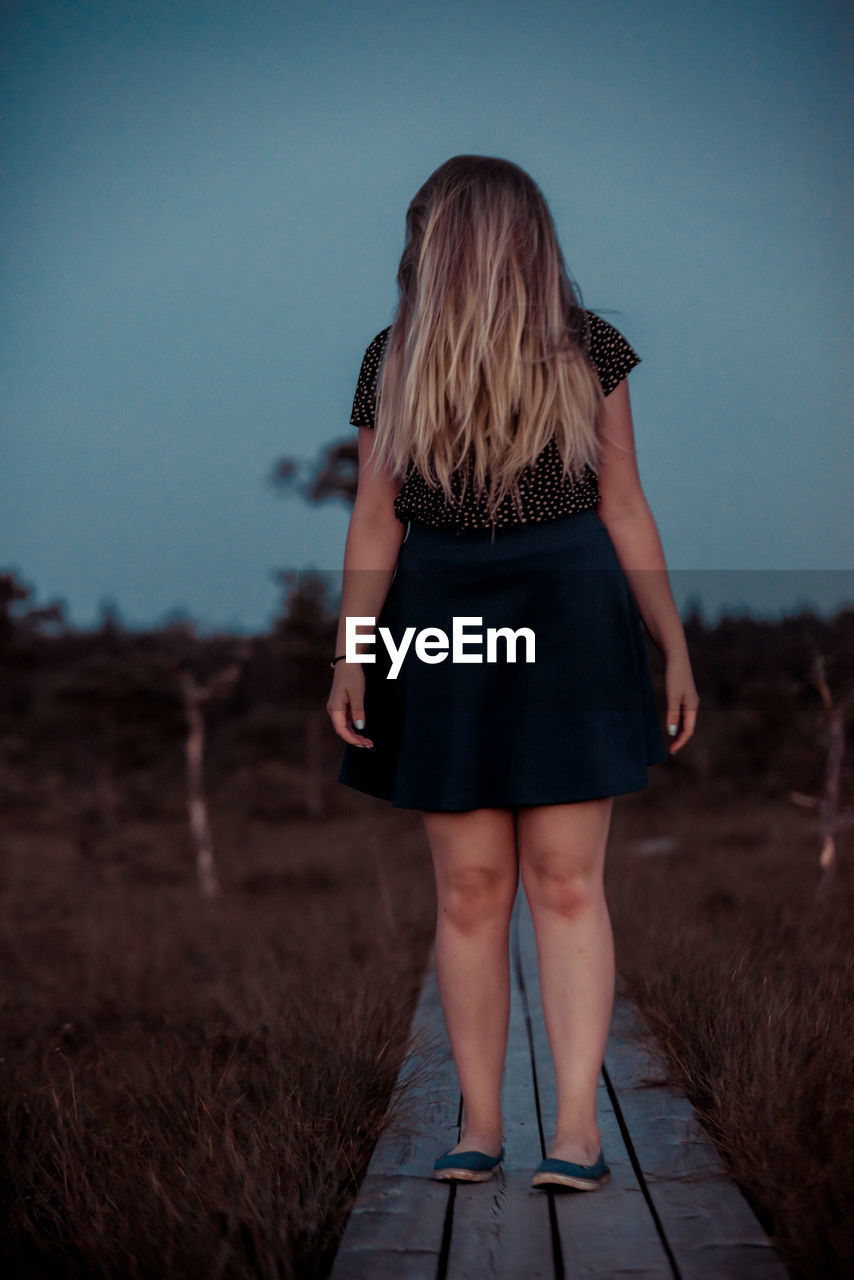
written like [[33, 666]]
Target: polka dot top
[[544, 492]]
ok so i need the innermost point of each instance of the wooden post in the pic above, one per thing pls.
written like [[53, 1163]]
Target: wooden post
[[828, 809], [195, 695], [827, 804]]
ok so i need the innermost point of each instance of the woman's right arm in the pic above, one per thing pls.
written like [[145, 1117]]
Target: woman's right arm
[[370, 556]]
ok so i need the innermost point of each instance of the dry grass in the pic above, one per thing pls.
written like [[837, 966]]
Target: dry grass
[[748, 981], [196, 1091]]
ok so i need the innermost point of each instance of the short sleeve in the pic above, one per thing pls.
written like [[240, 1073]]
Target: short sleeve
[[610, 354], [364, 401]]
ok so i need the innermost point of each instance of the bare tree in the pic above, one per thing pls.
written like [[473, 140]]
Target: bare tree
[[13, 594], [334, 474], [829, 814], [195, 695]]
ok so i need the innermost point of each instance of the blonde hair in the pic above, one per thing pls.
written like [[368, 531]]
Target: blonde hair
[[486, 359]]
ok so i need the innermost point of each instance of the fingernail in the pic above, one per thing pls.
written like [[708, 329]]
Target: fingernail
[[360, 724], [671, 729]]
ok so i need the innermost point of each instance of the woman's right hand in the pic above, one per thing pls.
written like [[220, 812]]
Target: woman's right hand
[[346, 704]]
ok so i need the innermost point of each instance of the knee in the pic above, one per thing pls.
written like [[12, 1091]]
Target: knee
[[475, 896], [566, 891]]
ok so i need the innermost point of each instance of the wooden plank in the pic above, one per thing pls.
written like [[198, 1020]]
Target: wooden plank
[[501, 1228], [396, 1225], [710, 1227], [670, 1209], [604, 1233]]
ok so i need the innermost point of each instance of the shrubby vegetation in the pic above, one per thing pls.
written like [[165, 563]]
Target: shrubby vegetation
[[105, 703], [194, 1087]]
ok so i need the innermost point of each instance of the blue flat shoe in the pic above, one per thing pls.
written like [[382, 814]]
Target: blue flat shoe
[[466, 1166], [563, 1173]]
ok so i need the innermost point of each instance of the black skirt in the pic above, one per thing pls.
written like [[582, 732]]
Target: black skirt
[[578, 722]]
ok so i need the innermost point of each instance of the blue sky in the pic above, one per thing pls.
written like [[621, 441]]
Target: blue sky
[[203, 210]]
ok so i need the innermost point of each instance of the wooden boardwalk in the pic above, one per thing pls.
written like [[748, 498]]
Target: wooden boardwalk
[[669, 1210]]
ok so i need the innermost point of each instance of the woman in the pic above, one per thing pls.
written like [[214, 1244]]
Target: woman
[[496, 425]]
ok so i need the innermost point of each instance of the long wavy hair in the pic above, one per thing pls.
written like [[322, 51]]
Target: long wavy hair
[[486, 358]]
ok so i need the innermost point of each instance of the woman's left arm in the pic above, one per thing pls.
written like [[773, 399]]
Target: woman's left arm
[[624, 511]]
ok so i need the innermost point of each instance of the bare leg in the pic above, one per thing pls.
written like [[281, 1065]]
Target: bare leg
[[562, 857], [477, 874]]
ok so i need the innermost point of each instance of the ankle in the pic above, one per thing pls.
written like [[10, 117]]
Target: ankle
[[481, 1137], [580, 1145], [577, 1124], [578, 1132]]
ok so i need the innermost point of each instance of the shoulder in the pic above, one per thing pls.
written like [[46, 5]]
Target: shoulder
[[608, 351], [372, 359], [377, 346], [364, 407]]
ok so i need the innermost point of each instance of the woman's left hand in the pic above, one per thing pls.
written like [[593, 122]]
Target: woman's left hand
[[682, 699]]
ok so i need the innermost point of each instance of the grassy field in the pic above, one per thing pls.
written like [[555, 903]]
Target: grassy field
[[195, 1089], [747, 978]]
